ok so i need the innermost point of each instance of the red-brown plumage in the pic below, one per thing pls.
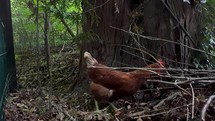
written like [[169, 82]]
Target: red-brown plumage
[[108, 84]]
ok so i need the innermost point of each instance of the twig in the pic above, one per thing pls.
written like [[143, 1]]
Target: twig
[[165, 40], [170, 60], [99, 6], [61, 50], [145, 69], [165, 69], [68, 115], [193, 100], [166, 99], [188, 80], [178, 22], [188, 112], [204, 110], [145, 59], [142, 115], [181, 88], [59, 109]]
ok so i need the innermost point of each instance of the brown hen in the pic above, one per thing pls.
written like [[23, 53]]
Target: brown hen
[[108, 84]]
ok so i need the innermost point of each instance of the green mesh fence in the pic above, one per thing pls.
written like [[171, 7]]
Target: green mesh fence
[[3, 70]]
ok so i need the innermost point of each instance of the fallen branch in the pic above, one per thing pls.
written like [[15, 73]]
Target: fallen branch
[[190, 79], [204, 110], [166, 99], [193, 100], [141, 114]]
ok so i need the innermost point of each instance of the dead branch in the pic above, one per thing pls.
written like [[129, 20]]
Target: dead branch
[[141, 114], [167, 99], [193, 100], [165, 40], [204, 110]]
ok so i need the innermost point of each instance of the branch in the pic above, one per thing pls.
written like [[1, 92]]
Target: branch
[[180, 25], [99, 6], [204, 110], [167, 99], [64, 22], [141, 114], [165, 40], [193, 100], [189, 79]]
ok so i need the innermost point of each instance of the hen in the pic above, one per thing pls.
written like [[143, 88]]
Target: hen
[[109, 85]]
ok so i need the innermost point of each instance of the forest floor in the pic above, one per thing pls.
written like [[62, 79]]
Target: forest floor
[[34, 101]]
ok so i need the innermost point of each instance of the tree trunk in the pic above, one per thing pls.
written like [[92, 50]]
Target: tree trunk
[[47, 50], [106, 47], [46, 30], [5, 15], [172, 20]]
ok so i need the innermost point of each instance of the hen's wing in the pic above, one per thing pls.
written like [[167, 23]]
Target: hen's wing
[[111, 79], [100, 92]]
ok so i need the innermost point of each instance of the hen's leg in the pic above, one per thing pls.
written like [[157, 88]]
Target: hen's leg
[[114, 107], [116, 111], [97, 106]]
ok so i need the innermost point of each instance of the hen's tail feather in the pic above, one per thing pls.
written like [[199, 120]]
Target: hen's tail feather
[[90, 61]]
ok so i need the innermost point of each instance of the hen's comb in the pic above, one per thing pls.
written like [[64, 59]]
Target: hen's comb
[[160, 61]]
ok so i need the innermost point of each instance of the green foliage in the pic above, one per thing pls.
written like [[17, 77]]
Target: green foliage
[[21, 23], [87, 36], [17, 57], [24, 21], [208, 32], [211, 2]]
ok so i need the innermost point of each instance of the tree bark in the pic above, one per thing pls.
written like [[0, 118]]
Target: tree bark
[[107, 44], [5, 15], [172, 20]]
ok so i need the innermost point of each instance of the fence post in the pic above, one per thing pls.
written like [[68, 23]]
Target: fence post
[[3, 71]]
